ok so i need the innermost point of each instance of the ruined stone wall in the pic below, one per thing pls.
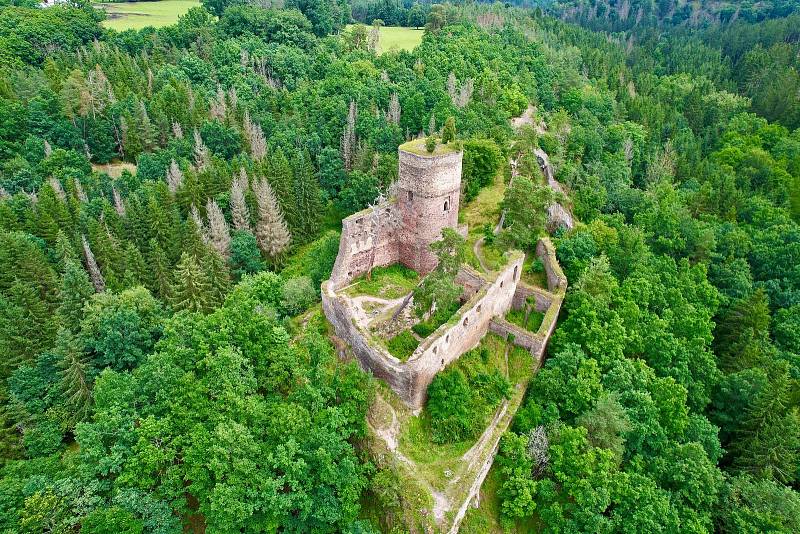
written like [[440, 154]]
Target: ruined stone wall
[[401, 230], [541, 299], [370, 238], [410, 379], [455, 338], [470, 280], [556, 280]]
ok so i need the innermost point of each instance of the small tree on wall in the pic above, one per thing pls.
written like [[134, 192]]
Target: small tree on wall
[[449, 131], [439, 287], [430, 144]]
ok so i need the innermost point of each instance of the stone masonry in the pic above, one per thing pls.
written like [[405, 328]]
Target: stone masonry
[[401, 230]]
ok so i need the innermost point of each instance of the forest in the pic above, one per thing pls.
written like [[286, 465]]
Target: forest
[[171, 200]]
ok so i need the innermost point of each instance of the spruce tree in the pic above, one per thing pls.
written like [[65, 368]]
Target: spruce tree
[[76, 289], [135, 267], [449, 130], [74, 380], [191, 288], [65, 252], [26, 327], [159, 280], [308, 199], [240, 213], [281, 179], [271, 231], [218, 276], [219, 233]]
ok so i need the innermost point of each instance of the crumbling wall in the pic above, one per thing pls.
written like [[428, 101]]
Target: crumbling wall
[[410, 379], [456, 337], [369, 239], [556, 280], [524, 295]]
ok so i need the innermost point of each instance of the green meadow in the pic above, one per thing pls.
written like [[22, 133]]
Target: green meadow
[[137, 15], [398, 38]]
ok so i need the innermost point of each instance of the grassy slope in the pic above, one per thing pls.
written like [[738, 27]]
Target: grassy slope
[[138, 15]]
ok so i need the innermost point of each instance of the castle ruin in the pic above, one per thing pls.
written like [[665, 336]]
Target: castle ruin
[[401, 230]]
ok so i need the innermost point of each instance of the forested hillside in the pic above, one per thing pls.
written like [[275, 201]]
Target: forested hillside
[[170, 201]]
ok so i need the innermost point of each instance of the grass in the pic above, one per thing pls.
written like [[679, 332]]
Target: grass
[[395, 38], [440, 317], [114, 170], [389, 282], [533, 272], [138, 15], [417, 146], [402, 345], [533, 323]]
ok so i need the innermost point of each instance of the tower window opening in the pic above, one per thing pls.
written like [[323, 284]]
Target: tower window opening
[[447, 205], [410, 196]]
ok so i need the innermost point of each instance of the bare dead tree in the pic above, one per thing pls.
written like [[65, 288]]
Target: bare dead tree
[[239, 211], [119, 205], [174, 177], [219, 233], [91, 266]]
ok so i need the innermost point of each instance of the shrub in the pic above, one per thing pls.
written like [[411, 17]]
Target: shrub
[[430, 144], [297, 295], [462, 397], [450, 403], [439, 317], [402, 345]]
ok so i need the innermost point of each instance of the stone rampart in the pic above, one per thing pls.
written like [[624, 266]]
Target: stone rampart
[[410, 379], [525, 295], [556, 281], [369, 239]]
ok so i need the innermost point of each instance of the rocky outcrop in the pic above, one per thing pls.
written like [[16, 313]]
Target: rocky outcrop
[[557, 215]]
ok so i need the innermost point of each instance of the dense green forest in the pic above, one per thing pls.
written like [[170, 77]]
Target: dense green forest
[[170, 201]]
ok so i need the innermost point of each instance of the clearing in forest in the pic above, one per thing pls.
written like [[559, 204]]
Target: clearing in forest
[[137, 15], [398, 38]]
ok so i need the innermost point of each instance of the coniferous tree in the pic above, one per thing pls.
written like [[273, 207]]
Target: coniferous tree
[[308, 199], [742, 332], [73, 382], [271, 231], [202, 156], [281, 179], [65, 252], [91, 265], [26, 327], [160, 282], [449, 130], [218, 277], [240, 213], [135, 267], [768, 445], [219, 233], [174, 177], [76, 289], [191, 288]]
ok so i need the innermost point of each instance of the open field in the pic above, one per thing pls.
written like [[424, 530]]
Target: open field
[[138, 15], [398, 38]]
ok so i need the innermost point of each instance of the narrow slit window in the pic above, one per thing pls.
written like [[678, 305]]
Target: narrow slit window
[[410, 196]]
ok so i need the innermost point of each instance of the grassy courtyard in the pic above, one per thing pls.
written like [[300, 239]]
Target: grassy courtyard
[[138, 15]]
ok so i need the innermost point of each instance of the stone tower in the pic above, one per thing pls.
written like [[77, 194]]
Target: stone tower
[[428, 191]]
